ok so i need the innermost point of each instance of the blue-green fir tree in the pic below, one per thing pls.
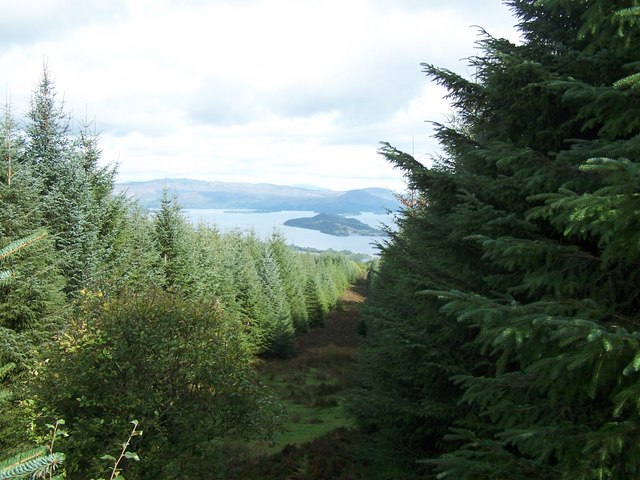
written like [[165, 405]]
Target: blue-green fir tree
[[74, 189]]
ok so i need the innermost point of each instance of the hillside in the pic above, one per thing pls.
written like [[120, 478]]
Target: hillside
[[335, 225], [261, 196]]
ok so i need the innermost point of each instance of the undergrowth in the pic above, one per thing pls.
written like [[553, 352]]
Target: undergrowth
[[318, 436]]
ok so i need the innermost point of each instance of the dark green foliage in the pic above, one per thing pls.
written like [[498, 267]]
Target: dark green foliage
[[405, 398], [35, 290], [33, 302], [292, 276], [277, 323], [182, 369], [22, 330], [170, 236], [501, 333], [317, 305]]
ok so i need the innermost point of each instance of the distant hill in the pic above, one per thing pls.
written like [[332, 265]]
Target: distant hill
[[335, 225], [261, 196]]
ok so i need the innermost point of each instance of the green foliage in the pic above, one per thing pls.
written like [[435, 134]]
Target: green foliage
[[317, 304], [74, 191], [34, 297], [291, 274], [170, 236], [124, 454], [130, 258], [41, 462], [33, 464], [6, 276], [118, 313], [277, 323], [179, 367], [501, 333]]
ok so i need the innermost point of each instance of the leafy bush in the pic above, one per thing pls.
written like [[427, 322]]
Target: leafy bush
[[181, 368]]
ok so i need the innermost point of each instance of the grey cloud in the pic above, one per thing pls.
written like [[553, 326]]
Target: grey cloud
[[477, 8], [366, 103], [223, 103], [29, 21], [370, 93]]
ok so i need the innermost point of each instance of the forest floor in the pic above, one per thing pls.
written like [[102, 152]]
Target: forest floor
[[313, 384]]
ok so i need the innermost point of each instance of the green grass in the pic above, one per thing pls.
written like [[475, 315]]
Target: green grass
[[313, 395], [312, 388], [304, 423], [317, 433]]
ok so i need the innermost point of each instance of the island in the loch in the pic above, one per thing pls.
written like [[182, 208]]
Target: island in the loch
[[335, 225]]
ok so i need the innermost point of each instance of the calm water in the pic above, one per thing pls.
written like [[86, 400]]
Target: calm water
[[265, 223]]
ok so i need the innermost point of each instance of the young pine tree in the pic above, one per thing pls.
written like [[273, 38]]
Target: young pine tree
[[292, 278], [171, 239]]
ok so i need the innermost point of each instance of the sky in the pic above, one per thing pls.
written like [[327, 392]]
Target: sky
[[291, 92]]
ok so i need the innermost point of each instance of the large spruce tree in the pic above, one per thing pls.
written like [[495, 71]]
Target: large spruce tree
[[33, 302], [502, 331], [75, 191]]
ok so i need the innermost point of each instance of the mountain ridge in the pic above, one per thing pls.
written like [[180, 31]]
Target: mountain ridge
[[265, 197]]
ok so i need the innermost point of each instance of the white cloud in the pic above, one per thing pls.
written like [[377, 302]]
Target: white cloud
[[285, 91]]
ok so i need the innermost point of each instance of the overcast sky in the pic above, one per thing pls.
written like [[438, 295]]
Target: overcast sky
[[277, 91]]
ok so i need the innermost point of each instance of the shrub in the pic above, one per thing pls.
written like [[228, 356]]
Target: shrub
[[183, 369]]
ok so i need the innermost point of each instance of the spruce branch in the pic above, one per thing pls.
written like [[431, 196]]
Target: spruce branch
[[36, 463], [21, 243], [6, 276]]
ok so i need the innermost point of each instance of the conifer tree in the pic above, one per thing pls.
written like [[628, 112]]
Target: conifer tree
[[75, 192], [34, 300], [212, 258], [48, 132], [170, 237], [130, 257], [292, 278], [18, 342], [103, 211], [316, 303], [278, 325], [510, 287], [249, 295]]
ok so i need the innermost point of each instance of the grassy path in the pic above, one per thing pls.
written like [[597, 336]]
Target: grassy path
[[313, 385]]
